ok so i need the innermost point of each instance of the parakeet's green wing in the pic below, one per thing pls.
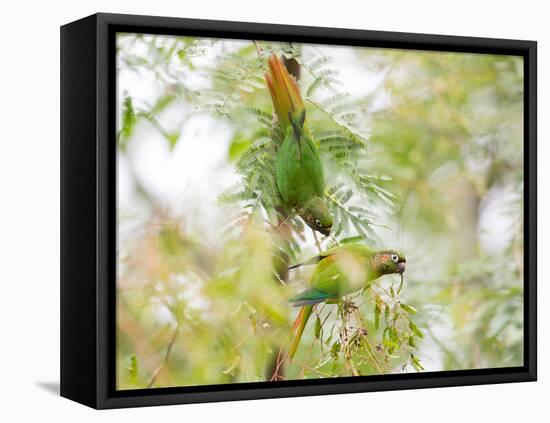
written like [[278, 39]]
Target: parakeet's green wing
[[354, 248], [284, 172], [329, 281], [299, 176], [311, 165], [326, 283]]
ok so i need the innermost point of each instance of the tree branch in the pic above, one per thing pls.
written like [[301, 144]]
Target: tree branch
[[165, 358]]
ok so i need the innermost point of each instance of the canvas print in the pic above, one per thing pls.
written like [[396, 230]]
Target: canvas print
[[291, 211]]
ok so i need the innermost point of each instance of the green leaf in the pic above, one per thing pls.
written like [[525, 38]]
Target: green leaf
[[345, 196], [416, 363], [162, 103], [334, 189], [393, 335], [133, 369], [352, 239], [415, 329], [232, 366], [128, 121], [377, 315], [237, 147], [409, 309], [335, 349], [319, 62], [317, 82], [317, 327]]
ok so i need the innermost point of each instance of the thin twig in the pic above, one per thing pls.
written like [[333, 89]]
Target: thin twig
[[165, 358], [278, 364], [316, 240], [258, 48], [369, 349], [312, 369]]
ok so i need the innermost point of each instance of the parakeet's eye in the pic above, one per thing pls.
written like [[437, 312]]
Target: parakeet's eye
[[318, 223], [394, 257]]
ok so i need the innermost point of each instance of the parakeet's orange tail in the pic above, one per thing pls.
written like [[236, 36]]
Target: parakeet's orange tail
[[298, 319], [299, 324], [284, 91]]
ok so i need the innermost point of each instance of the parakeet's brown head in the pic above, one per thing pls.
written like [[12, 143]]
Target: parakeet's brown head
[[387, 262], [317, 216]]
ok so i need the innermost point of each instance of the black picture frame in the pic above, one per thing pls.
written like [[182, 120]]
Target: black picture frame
[[88, 201]]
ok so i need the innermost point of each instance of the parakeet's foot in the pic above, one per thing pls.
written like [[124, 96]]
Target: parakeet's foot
[[344, 303], [349, 305]]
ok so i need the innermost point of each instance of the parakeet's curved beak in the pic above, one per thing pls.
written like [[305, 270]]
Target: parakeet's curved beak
[[401, 267], [325, 231]]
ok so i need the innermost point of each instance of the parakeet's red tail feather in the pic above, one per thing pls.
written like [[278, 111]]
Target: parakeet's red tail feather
[[300, 324], [298, 319]]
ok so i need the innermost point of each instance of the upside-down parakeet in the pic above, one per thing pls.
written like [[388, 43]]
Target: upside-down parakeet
[[300, 180], [299, 172], [341, 271]]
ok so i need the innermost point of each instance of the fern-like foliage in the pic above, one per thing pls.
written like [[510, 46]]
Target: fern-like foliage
[[334, 119], [345, 140], [165, 59], [131, 115], [235, 92], [350, 219], [353, 195], [235, 77]]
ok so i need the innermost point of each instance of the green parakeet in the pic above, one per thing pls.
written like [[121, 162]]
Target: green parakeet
[[341, 271], [300, 178], [299, 172]]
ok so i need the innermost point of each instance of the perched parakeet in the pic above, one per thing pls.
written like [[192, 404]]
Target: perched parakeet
[[299, 172], [341, 271]]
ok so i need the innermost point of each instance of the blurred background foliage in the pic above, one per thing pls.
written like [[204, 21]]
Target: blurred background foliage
[[423, 152]]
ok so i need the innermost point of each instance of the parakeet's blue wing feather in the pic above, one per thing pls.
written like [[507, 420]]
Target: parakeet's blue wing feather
[[309, 297]]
